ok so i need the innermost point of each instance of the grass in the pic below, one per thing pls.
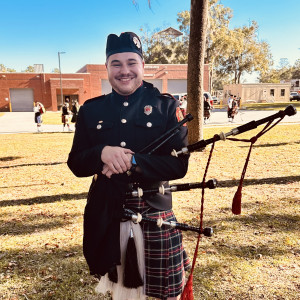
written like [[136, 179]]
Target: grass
[[269, 106], [52, 118], [251, 256]]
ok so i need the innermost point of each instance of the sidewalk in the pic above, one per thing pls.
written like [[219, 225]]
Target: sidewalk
[[219, 117], [23, 122]]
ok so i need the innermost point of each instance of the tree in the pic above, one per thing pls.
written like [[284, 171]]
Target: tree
[[246, 54], [162, 49], [29, 69], [284, 72], [5, 69], [296, 70], [198, 26], [2, 68]]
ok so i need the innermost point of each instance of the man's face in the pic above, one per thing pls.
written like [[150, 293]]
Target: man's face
[[125, 72]]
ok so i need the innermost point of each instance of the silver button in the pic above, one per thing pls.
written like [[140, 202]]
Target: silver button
[[123, 121], [149, 124], [99, 126], [125, 103], [123, 144]]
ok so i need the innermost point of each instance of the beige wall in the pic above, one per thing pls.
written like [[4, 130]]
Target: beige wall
[[259, 92]]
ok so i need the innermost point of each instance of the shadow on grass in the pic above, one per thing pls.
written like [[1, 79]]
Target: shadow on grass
[[271, 180], [263, 221], [27, 185], [36, 223], [47, 274], [269, 145], [9, 158], [44, 199], [36, 164]]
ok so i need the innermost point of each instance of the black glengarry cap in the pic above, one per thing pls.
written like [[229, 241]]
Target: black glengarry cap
[[126, 42]]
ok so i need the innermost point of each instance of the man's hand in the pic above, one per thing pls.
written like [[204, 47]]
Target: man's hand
[[116, 160]]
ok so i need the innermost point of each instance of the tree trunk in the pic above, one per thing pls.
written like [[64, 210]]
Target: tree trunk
[[198, 26]]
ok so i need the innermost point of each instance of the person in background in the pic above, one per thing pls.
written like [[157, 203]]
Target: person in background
[[39, 110], [207, 109], [229, 106], [66, 115], [111, 131], [75, 110], [183, 104]]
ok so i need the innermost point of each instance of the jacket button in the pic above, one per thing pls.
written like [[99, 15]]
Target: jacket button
[[149, 124], [123, 144], [99, 126], [123, 121], [125, 103]]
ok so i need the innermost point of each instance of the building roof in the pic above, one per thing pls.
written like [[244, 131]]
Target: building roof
[[170, 31]]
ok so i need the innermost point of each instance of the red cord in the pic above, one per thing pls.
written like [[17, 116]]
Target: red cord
[[237, 199], [187, 293]]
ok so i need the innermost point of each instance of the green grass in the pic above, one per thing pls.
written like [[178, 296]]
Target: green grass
[[269, 106], [251, 256]]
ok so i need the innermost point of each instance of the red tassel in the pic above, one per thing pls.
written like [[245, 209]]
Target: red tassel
[[237, 202], [187, 293]]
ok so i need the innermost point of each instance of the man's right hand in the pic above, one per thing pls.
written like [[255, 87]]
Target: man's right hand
[[116, 159]]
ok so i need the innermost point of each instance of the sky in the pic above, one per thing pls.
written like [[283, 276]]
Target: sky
[[34, 31]]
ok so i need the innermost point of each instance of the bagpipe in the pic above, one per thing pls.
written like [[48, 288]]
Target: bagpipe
[[211, 184]]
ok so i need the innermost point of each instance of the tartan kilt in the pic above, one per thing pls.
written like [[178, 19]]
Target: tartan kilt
[[65, 119], [165, 258]]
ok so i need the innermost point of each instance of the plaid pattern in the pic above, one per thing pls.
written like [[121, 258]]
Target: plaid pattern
[[165, 258]]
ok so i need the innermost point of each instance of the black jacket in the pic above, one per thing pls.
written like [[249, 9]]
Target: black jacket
[[132, 122]]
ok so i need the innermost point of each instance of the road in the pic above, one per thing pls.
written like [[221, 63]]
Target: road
[[23, 122]]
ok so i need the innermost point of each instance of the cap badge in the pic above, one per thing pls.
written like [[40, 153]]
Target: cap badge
[[148, 110], [136, 42]]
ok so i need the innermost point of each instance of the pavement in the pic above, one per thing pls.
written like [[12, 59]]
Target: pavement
[[23, 122]]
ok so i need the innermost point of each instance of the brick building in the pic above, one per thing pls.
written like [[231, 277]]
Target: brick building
[[18, 91]]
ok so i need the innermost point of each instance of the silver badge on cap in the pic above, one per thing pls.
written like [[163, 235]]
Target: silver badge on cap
[[148, 110], [136, 42]]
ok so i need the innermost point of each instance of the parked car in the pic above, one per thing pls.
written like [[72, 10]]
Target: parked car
[[294, 96], [216, 100]]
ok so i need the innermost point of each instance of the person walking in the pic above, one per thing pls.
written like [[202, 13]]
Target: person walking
[[38, 110], [229, 106], [66, 115], [75, 110], [110, 133]]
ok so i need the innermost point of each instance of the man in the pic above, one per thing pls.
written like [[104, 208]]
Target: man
[[111, 131], [229, 106], [65, 114]]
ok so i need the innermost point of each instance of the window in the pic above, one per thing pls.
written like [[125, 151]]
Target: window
[[297, 83], [282, 92], [272, 92]]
